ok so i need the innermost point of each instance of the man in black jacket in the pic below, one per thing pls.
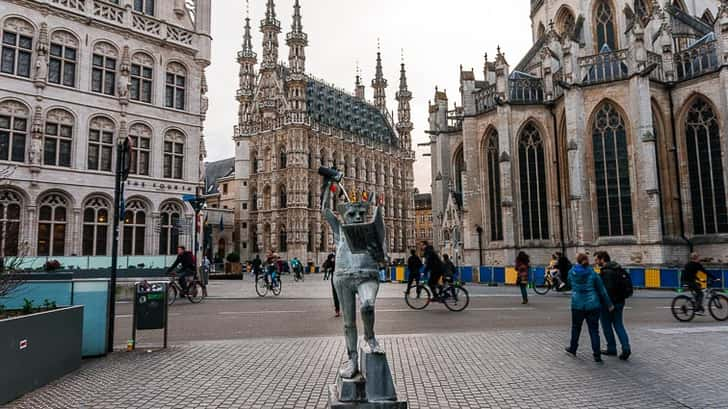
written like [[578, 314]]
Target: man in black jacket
[[694, 283], [613, 321], [414, 263], [186, 260]]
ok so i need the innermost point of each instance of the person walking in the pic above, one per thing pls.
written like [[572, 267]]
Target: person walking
[[587, 297], [611, 273], [523, 266], [329, 266], [414, 263]]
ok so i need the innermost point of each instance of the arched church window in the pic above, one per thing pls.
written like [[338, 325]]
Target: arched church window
[[604, 25], [494, 189], [13, 130], [10, 205], [532, 173], [96, 227], [52, 222]]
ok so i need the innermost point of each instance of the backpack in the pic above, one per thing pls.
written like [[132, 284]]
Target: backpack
[[624, 283]]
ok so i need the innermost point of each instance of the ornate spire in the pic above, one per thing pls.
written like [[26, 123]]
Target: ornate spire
[[404, 123], [297, 41], [359, 88], [270, 27], [297, 26], [380, 84], [247, 38], [270, 13], [247, 58]]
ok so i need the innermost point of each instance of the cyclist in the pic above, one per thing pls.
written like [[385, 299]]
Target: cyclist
[[271, 262], [414, 263], [186, 260], [256, 264], [297, 267], [436, 267], [691, 278]]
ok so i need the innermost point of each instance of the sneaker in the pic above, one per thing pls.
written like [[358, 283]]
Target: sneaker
[[338, 314], [700, 312], [625, 355], [598, 359], [524, 302], [561, 286], [569, 351], [609, 353]]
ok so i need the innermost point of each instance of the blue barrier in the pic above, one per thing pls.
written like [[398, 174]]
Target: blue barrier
[[60, 292], [466, 274], [670, 278], [499, 274], [538, 275], [638, 277], [486, 274], [393, 273]]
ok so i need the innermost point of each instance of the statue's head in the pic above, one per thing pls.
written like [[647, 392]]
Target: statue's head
[[353, 213]]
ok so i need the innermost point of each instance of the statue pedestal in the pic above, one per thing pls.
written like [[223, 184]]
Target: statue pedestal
[[373, 388]]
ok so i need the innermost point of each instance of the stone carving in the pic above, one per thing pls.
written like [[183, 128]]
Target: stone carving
[[124, 77]]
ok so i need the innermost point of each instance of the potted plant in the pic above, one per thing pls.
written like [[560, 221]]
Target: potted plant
[[233, 265]]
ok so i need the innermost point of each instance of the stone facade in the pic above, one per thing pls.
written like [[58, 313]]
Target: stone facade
[[290, 124], [609, 134], [222, 213], [423, 217], [78, 77]]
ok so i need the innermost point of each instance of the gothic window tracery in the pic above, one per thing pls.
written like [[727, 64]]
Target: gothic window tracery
[[604, 25], [494, 189], [565, 21], [532, 173], [58, 138], [13, 130], [169, 231], [283, 196], [134, 228], [62, 59], [100, 144], [17, 47], [96, 227], [611, 169], [52, 221], [104, 66], [10, 217]]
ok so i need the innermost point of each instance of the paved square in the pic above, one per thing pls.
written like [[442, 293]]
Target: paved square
[[492, 369]]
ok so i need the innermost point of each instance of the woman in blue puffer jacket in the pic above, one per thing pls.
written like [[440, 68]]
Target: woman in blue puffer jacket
[[587, 297]]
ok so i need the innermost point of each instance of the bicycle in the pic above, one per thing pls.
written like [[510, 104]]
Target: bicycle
[[263, 284], [551, 281], [684, 306], [298, 274], [195, 290], [452, 294]]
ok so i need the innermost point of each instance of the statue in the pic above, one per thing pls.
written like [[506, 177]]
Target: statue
[[360, 250]]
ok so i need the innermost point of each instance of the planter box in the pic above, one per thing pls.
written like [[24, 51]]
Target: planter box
[[37, 349], [233, 268]]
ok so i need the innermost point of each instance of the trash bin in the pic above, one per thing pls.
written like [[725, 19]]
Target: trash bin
[[150, 305]]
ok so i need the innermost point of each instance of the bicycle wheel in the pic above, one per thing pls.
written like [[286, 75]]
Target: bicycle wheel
[[456, 298], [718, 307], [683, 308], [542, 290], [171, 294], [195, 292], [276, 287], [261, 287], [417, 297]]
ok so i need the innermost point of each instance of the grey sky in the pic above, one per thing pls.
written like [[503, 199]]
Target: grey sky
[[437, 36]]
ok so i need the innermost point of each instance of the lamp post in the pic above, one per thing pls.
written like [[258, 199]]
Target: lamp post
[[198, 203]]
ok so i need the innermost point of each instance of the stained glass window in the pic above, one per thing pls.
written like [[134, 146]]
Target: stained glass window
[[534, 208]]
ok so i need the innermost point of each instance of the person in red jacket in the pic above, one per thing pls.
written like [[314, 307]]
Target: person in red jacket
[[523, 266]]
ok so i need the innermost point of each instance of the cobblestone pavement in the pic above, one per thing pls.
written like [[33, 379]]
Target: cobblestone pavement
[[676, 367]]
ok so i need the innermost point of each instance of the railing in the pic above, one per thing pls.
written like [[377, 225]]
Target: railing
[[525, 90], [485, 99], [696, 60], [657, 73], [112, 13], [604, 67], [454, 121]]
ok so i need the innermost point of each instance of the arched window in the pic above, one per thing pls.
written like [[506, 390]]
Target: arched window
[[678, 4], [282, 159], [311, 197], [174, 95], [142, 74], [103, 72], [13, 130], [267, 160], [611, 171], [254, 200], [254, 237], [17, 47], [267, 238], [62, 58], [174, 154], [58, 138], [322, 158], [52, 220], [459, 162], [310, 245], [334, 163], [282, 239], [565, 21], [135, 227], [141, 137], [96, 227], [705, 166], [310, 160], [100, 144], [532, 173], [266, 198], [10, 205], [144, 6], [641, 11], [283, 195], [604, 26], [169, 228], [494, 190], [254, 161], [541, 30]]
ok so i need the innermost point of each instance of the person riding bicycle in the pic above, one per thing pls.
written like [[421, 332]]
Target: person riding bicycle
[[692, 278], [554, 270], [414, 263], [436, 268], [271, 267], [186, 261], [297, 267], [256, 264]]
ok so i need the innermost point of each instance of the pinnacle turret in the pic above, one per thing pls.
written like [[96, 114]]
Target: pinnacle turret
[[270, 27], [380, 84], [404, 122], [297, 41], [247, 58]]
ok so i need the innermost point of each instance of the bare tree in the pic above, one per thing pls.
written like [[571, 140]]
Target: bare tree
[[12, 251]]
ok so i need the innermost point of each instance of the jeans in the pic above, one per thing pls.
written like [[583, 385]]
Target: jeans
[[414, 277], [614, 322], [592, 322], [434, 283], [182, 279], [337, 307], [524, 291], [697, 291]]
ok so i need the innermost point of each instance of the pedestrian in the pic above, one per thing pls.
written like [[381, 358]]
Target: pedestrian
[[587, 297], [330, 265], [436, 269], [612, 273], [414, 263], [523, 266]]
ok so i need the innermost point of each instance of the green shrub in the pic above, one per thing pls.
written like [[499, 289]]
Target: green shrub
[[233, 258], [27, 306]]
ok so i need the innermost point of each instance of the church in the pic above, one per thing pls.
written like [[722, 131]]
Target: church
[[290, 124], [609, 134]]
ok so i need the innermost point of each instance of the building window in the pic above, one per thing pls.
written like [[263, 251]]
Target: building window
[[103, 72], [140, 137], [311, 198], [565, 22], [174, 154], [140, 88], [144, 6], [604, 26], [323, 242], [611, 169], [253, 200], [245, 206], [494, 190], [174, 96], [10, 205], [96, 227], [100, 144], [254, 161], [266, 198], [135, 223], [169, 230], [283, 197], [58, 138], [17, 47], [534, 209], [705, 166], [322, 158], [13, 130], [283, 240], [641, 11], [62, 59], [283, 159], [52, 220], [225, 188]]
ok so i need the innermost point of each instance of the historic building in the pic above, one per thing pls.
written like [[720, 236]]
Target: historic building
[[610, 133], [77, 77], [290, 124], [222, 213], [423, 217]]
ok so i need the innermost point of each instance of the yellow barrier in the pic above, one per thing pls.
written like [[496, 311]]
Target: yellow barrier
[[652, 278], [511, 275], [400, 273]]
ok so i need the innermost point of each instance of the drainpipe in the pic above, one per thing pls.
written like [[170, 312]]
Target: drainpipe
[[677, 173], [558, 181], [479, 229]]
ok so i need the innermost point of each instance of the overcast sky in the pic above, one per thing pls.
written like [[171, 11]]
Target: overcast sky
[[437, 36]]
